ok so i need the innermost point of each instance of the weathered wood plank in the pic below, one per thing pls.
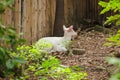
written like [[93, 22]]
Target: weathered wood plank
[[41, 18], [52, 14], [34, 20], [17, 18], [24, 19], [28, 23]]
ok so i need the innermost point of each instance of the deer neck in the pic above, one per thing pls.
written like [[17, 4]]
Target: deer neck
[[67, 38]]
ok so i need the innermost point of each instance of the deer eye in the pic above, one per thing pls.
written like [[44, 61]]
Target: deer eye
[[69, 30]]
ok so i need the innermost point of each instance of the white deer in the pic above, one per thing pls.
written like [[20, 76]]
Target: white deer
[[59, 44]]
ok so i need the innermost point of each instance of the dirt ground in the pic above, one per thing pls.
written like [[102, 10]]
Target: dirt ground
[[93, 59]]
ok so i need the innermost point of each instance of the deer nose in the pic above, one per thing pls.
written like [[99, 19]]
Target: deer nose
[[74, 36]]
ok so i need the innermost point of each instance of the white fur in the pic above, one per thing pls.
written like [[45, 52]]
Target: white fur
[[60, 43]]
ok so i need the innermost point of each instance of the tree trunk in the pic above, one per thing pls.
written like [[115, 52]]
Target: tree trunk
[[59, 18]]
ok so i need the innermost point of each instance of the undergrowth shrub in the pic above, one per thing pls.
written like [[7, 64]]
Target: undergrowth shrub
[[113, 40], [113, 5], [115, 61], [44, 66], [9, 40]]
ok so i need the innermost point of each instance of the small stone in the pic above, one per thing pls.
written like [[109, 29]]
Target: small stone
[[78, 51]]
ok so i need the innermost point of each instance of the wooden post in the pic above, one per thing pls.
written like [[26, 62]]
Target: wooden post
[[59, 18]]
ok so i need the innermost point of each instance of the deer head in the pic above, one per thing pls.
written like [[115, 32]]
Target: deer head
[[69, 32]]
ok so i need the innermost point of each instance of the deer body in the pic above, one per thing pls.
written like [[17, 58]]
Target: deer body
[[59, 43]]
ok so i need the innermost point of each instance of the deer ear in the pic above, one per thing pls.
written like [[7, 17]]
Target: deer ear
[[70, 28], [64, 27]]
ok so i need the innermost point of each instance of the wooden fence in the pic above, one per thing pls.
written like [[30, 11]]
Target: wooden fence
[[35, 18], [78, 10]]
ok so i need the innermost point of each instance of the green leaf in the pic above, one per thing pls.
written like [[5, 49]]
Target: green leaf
[[1, 8], [68, 70], [114, 61], [118, 22], [104, 10], [10, 2], [103, 4], [9, 64], [21, 40], [2, 50], [19, 60], [2, 53], [8, 39], [115, 76], [11, 31], [50, 62], [108, 44]]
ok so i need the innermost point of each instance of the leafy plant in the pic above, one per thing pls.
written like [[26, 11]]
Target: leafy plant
[[112, 5], [4, 4], [114, 40], [9, 40], [45, 66], [43, 45], [115, 61]]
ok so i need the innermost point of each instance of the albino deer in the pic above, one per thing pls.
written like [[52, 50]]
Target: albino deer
[[59, 43]]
